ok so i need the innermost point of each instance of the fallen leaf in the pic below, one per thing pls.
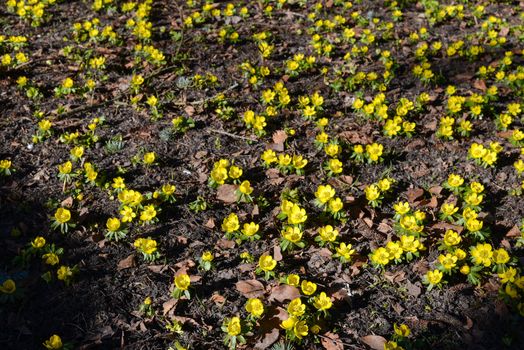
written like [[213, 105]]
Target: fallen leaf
[[157, 268], [250, 288], [395, 277], [210, 223], [227, 193], [480, 85], [277, 253], [126, 263], [267, 339], [284, 292], [413, 289], [168, 306], [225, 244], [279, 137], [414, 193], [190, 110], [331, 341], [68, 202], [218, 299], [375, 342], [514, 232]]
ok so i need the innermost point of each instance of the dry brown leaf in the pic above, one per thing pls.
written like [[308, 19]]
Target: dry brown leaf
[[227, 193], [277, 253], [157, 268], [375, 342], [284, 292], [250, 288], [126, 263], [514, 232], [279, 137], [210, 223], [331, 341], [225, 244], [168, 306], [218, 299], [68, 202], [395, 277], [267, 339], [413, 194]]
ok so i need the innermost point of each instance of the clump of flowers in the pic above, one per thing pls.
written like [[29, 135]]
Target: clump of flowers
[[376, 192], [148, 248], [222, 171]]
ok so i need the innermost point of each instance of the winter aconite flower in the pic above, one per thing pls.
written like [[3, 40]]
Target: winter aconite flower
[[53, 343], [322, 302], [266, 264], [8, 287], [182, 283], [433, 278], [255, 307], [308, 288]]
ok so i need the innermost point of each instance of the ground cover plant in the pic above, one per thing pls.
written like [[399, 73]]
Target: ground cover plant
[[272, 174]]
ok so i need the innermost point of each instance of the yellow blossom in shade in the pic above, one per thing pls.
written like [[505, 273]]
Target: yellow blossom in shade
[[465, 269], [469, 213], [182, 281], [230, 223], [53, 343], [77, 152], [284, 159], [473, 198], [234, 327], [508, 275], [207, 256], [402, 330], [335, 205], [292, 234], [127, 214], [269, 156], [289, 323], [113, 224], [50, 258], [460, 254], [245, 187], [500, 256], [65, 168], [146, 245], [374, 151], [267, 263], [434, 277], [255, 307], [297, 215], [481, 254], [372, 192], [335, 166], [235, 172], [410, 243], [8, 287], [296, 308], [324, 193], [293, 280], [511, 291], [308, 288], [332, 149], [401, 208], [392, 345], [149, 158], [448, 261], [118, 183], [451, 238], [384, 184], [62, 215], [474, 225], [380, 256], [394, 250], [148, 301], [322, 302], [476, 187], [455, 180], [219, 175], [64, 273], [299, 162], [300, 329], [250, 229], [38, 242], [328, 233], [448, 209], [148, 214]]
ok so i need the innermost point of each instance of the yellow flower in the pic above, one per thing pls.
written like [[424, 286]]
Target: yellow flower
[[146, 245], [300, 329], [335, 205], [255, 307], [148, 214], [455, 180], [335, 166], [308, 288], [380, 256], [182, 281], [292, 234], [293, 280], [77, 152], [234, 327], [322, 302], [384, 184], [410, 243], [374, 151], [474, 225], [299, 162], [235, 172], [50, 258], [448, 209], [113, 224], [500, 256], [482, 254], [53, 343], [508, 275], [230, 223], [267, 263], [219, 175], [401, 330], [324, 193], [62, 215], [149, 158], [250, 229], [297, 215], [269, 156], [127, 214], [401, 208], [8, 287], [372, 192], [327, 233], [394, 250], [296, 308], [65, 168], [207, 256], [451, 238], [64, 273], [289, 323], [448, 261], [245, 187], [38, 242], [434, 277], [391, 345]]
